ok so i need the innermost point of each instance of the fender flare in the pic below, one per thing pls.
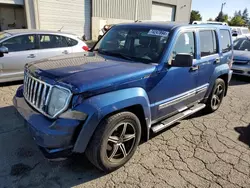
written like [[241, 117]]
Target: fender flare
[[219, 70], [98, 107]]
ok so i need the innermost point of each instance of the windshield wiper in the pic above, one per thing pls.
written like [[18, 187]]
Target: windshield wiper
[[115, 54]]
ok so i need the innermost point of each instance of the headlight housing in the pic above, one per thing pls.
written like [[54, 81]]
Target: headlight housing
[[59, 100]]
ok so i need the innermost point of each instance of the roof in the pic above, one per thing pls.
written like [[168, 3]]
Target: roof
[[170, 25], [28, 31]]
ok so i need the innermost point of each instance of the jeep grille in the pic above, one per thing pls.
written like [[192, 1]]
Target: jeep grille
[[36, 93]]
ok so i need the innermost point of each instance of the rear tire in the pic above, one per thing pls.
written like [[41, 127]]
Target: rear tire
[[215, 98], [114, 141]]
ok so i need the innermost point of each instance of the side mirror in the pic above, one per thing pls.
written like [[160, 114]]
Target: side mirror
[[183, 60], [4, 50], [235, 34]]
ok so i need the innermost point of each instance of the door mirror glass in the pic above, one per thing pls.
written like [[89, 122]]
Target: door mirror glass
[[183, 60], [4, 50], [235, 34]]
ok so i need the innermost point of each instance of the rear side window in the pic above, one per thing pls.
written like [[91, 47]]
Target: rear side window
[[52, 41], [225, 40], [208, 43], [70, 41]]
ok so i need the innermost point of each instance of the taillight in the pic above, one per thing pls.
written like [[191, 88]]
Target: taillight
[[85, 48]]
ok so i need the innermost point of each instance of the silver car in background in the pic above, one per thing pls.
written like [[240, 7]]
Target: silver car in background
[[18, 47], [241, 65]]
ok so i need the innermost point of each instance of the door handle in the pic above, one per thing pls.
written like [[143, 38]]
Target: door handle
[[65, 52], [194, 68], [217, 60], [31, 56]]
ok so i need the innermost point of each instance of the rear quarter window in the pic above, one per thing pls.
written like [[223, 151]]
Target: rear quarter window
[[225, 39], [71, 42]]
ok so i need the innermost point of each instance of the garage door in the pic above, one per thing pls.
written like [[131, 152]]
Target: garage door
[[161, 12], [12, 17], [72, 16]]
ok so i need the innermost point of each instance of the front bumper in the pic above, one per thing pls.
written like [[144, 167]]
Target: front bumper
[[53, 136], [241, 70]]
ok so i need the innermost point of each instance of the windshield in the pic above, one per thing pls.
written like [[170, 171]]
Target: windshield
[[4, 35], [245, 31], [242, 44], [137, 44]]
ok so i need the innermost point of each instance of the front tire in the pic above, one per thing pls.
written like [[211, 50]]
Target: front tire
[[214, 101], [115, 141]]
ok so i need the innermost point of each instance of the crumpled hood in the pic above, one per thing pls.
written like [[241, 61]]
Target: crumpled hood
[[242, 55], [88, 71]]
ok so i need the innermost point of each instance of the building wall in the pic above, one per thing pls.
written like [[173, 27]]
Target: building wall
[[118, 11]]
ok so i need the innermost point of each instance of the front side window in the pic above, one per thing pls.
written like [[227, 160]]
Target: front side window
[[242, 44], [225, 40], [208, 43], [20, 43], [137, 44], [52, 41], [184, 44]]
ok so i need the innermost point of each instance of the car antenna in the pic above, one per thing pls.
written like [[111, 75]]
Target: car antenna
[[61, 28]]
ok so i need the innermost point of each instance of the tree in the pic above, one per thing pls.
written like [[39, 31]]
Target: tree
[[237, 21], [210, 19], [222, 17], [195, 16], [245, 16], [219, 17]]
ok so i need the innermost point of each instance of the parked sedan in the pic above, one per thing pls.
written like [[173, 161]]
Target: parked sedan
[[241, 65], [18, 47]]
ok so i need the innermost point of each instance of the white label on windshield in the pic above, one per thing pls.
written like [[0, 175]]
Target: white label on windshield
[[161, 33]]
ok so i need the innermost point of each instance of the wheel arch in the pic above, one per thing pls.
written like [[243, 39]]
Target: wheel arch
[[134, 100], [224, 77]]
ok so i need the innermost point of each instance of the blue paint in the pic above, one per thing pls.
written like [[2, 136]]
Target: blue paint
[[110, 84]]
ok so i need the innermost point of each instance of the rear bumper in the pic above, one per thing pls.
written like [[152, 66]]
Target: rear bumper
[[241, 70], [55, 137]]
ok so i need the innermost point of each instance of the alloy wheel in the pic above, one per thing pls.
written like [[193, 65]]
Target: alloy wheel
[[217, 96], [120, 142]]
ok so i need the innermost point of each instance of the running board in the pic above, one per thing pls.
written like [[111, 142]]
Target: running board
[[170, 121]]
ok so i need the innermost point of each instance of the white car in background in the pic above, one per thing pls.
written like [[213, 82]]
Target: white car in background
[[239, 32], [21, 46], [209, 22]]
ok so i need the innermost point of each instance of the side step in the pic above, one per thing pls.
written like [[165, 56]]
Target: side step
[[167, 122]]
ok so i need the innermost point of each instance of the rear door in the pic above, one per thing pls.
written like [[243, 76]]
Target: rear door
[[52, 45], [22, 50], [226, 55], [208, 56]]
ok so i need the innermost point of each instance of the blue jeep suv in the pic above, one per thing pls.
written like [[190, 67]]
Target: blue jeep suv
[[138, 79]]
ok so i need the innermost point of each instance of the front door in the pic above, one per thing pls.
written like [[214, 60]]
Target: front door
[[22, 50], [176, 87]]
